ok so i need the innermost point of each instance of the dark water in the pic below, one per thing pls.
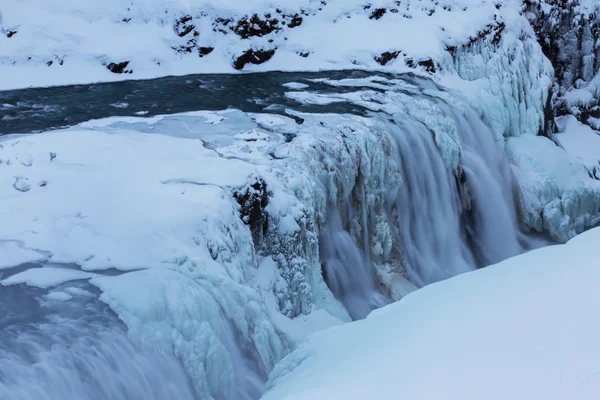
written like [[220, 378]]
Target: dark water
[[41, 109]]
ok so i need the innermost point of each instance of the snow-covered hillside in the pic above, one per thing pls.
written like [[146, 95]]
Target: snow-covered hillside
[[522, 329], [52, 42]]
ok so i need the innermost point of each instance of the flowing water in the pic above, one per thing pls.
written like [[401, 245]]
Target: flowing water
[[72, 346], [61, 346], [453, 222]]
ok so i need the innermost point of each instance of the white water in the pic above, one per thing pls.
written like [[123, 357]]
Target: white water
[[449, 219], [446, 230], [77, 350], [348, 270]]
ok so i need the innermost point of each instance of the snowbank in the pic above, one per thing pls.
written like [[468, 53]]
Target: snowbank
[[580, 141], [558, 193], [521, 329], [55, 43]]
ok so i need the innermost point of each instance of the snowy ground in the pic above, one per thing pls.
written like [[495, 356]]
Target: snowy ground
[[522, 329], [55, 43]]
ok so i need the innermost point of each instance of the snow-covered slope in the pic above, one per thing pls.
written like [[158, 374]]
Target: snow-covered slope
[[52, 42], [522, 329]]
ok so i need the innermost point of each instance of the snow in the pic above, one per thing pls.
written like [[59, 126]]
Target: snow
[[579, 140], [520, 329], [13, 254], [557, 194], [46, 277], [59, 296], [58, 43]]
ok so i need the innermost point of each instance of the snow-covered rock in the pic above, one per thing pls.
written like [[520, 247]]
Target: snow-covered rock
[[522, 329], [558, 192], [568, 32], [51, 42]]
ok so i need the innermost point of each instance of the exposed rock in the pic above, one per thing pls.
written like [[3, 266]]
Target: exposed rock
[[253, 200], [387, 56], [254, 25], [184, 26], [119, 68], [253, 57], [378, 13], [296, 21], [203, 51], [426, 63]]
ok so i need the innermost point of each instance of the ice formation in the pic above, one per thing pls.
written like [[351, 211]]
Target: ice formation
[[226, 238]]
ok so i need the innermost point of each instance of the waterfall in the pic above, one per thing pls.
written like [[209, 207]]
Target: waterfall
[[449, 218], [453, 221], [348, 270], [77, 350]]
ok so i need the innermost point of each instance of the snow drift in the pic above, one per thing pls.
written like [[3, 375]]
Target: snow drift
[[520, 329]]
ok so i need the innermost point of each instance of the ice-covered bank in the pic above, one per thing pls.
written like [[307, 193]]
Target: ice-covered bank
[[521, 329]]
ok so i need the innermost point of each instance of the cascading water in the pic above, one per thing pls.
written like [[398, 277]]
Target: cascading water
[[78, 349], [449, 221], [348, 270], [453, 212]]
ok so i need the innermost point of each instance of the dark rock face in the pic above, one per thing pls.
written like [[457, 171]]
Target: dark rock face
[[204, 51], [387, 56], [253, 57], [119, 68], [426, 63], [184, 25], [253, 201], [296, 21], [570, 38], [378, 13], [254, 25], [10, 33]]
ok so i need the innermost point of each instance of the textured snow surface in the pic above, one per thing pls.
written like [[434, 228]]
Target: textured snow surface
[[521, 329], [557, 194], [54, 42], [581, 141]]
